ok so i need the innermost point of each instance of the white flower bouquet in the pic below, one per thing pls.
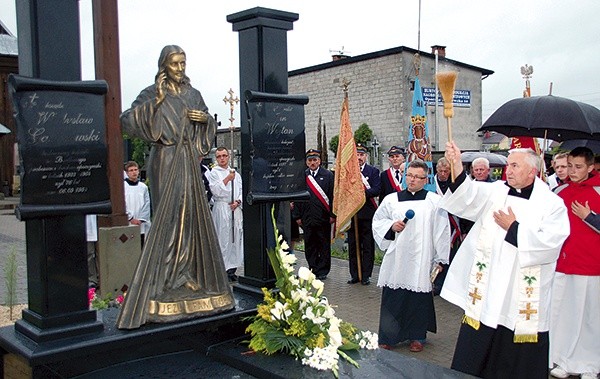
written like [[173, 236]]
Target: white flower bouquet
[[298, 320]]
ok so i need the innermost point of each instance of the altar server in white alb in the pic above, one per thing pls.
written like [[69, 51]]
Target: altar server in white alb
[[575, 322], [137, 199], [227, 211], [415, 234], [502, 274]]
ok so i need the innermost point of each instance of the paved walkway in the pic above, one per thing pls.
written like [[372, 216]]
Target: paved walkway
[[360, 304], [12, 238], [356, 303]]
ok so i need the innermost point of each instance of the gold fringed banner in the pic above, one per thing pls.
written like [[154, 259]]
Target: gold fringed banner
[[348, 189]]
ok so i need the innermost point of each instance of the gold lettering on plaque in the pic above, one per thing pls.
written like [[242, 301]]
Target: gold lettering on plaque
[[164, 309], [198, 305], [221, 301], [168, 309], [189, 306]]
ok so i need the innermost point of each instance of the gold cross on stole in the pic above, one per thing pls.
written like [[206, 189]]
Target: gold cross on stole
[[528, 311], [475, 295]]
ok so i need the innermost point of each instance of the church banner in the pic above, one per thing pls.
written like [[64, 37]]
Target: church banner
[[419, 146]]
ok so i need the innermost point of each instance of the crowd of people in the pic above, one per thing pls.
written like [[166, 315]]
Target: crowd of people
[[526, 271], [521, 257]]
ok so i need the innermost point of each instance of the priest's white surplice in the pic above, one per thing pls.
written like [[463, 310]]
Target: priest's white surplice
[[232, 246]]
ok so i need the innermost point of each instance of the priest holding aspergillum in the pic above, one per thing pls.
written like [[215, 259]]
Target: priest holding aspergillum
[[502, 274]]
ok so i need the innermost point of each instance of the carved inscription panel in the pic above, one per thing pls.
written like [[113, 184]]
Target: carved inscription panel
[[62, 143], [278, 144]]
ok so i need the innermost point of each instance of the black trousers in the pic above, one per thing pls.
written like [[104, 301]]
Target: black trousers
[[317, 247], [491, 353], [367, 248]]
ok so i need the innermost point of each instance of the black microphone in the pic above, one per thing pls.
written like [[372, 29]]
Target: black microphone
[[408, 215]]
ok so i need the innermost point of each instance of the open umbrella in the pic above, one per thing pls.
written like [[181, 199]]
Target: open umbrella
[[591, 144], [496, 160], [551, 117]]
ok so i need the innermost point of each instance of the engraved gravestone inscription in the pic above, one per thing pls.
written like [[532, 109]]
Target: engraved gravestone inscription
[[278, 147], [62, 145]]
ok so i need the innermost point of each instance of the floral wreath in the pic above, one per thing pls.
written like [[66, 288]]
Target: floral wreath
[[297, 320]]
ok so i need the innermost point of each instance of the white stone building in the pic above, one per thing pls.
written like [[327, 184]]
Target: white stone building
[[381, 94]]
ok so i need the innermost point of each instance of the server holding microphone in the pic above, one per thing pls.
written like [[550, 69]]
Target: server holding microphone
[[415, 235]]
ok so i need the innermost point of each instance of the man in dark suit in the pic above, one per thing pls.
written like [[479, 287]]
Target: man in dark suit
[[371, 180], [391, 179], [315, 215]]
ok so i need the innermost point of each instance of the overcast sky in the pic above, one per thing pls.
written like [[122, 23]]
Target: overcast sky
[[560, 39]]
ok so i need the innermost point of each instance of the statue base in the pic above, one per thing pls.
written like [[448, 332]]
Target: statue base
[[111, 347]]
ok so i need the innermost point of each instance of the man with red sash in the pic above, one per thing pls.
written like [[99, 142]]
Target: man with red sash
[[315, 215], [391, 179], [372, 183]]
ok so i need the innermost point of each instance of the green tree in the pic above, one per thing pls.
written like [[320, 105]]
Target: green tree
[[10, 279], [140, 151], [363, 134], [333, 144], [319, 136], [324, 155]]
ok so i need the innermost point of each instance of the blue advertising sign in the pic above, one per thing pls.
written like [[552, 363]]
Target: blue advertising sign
[[462, 97]]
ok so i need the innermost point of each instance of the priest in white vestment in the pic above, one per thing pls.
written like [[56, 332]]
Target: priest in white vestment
[[227, 211], [137, 200], [414, 247], [502, 274]]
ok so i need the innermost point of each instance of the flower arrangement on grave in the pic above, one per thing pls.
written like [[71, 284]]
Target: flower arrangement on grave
[[299, 321], [108, 301]]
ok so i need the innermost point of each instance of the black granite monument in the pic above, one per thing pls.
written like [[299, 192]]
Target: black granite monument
[[264, 72], [63, 177]]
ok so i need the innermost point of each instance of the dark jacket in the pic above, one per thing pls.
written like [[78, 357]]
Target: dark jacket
[[313, 212], [372, 175], [387, 186]]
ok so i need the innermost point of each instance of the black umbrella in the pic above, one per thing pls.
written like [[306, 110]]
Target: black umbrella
[[496, 160], [550, 117], [591, 144]]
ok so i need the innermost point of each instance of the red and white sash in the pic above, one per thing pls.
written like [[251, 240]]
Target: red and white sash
[[393, 181], [456, 227], [368, 186], [318, 191]]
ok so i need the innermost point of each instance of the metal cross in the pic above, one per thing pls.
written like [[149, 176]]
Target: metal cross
[[231, 101], [375, 144]]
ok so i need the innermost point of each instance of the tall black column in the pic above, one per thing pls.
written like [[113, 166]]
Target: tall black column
[[49, 48], [263, 67], [49, 43]]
